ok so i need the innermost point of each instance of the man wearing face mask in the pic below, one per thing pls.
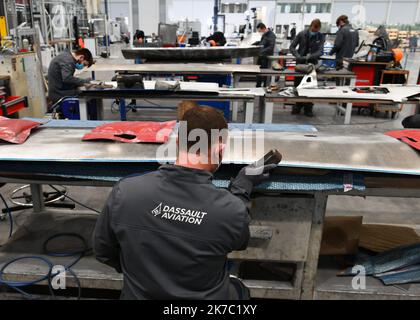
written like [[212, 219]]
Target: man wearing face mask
[[307, 47], [61, 79], [169, 232]]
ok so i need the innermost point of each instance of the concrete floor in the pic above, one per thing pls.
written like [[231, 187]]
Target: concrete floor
[[374, 210]]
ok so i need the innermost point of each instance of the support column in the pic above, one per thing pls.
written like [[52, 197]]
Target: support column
[[315, 237], [418, 11], [135, 16], [37, 197], [388, 12], [148, 15], [162, 11]]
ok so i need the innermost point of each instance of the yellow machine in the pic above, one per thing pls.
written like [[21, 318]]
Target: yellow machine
[[3, 27], [3, 32]]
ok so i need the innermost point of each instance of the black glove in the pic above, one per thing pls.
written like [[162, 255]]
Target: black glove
[[249, 177]]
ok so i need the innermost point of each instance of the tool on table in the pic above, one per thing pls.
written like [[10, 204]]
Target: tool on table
[[129, 81], [271, 157]]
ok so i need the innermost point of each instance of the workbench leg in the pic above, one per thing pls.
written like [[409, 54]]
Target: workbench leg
[[249, 112], [282, 81], [100, 108], [123, 113], [235, 104], [349, 109], [37, 197], [268, 112], [83, 109], [315, 237]]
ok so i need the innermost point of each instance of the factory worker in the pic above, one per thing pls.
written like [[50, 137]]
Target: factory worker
[[346, 41], [268, 43], [61, 79], [139, 37], [307, 47], [217, 39], [169, 231]]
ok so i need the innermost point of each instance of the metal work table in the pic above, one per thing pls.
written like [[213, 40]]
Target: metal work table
[[250, 98], [373, 164], [280, 57], [347, 103], [176, 69], [191, 53], [342, 75]]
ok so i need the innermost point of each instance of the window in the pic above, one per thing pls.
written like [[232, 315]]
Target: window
[[290, 7], [307, 8], [233, 7]]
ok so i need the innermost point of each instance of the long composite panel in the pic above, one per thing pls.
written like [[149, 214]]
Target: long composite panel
[[372, 152]]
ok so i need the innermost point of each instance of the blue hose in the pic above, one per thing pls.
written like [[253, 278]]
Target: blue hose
[[16, 285]]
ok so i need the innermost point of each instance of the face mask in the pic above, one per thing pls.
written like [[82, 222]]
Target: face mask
[[312, 34], [79, 66]]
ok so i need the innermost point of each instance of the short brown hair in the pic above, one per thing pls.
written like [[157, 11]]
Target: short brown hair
[[343, 18], [184, 106], [86, 54], [204, 118], [316, 23]]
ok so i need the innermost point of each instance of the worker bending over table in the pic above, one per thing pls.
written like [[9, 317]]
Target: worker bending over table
[[217, 39], [169, 232], [307, 47], [61, 79]]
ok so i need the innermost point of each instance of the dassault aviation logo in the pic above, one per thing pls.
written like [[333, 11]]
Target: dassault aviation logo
[[179, 214], [158, 210]]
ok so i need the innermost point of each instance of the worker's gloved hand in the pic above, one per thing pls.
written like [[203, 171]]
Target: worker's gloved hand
[[249, 177]]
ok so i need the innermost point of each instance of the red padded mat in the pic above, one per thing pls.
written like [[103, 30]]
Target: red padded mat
[[133, 131], [16, 130], [410, 137]]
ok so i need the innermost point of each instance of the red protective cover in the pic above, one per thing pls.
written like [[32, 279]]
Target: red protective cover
[[16, 130], [410, 137], [133, 131]]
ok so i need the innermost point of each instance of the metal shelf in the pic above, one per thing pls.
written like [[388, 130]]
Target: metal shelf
[[329, 286]]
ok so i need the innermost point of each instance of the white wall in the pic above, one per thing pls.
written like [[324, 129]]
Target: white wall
[[289, 18], [268, 9], [201, 10], [149, 16], [119, 8]]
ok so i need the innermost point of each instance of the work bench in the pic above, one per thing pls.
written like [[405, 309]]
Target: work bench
[[287, 213], [173, 70], [189, 91], [344, 104], [343, 76]]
